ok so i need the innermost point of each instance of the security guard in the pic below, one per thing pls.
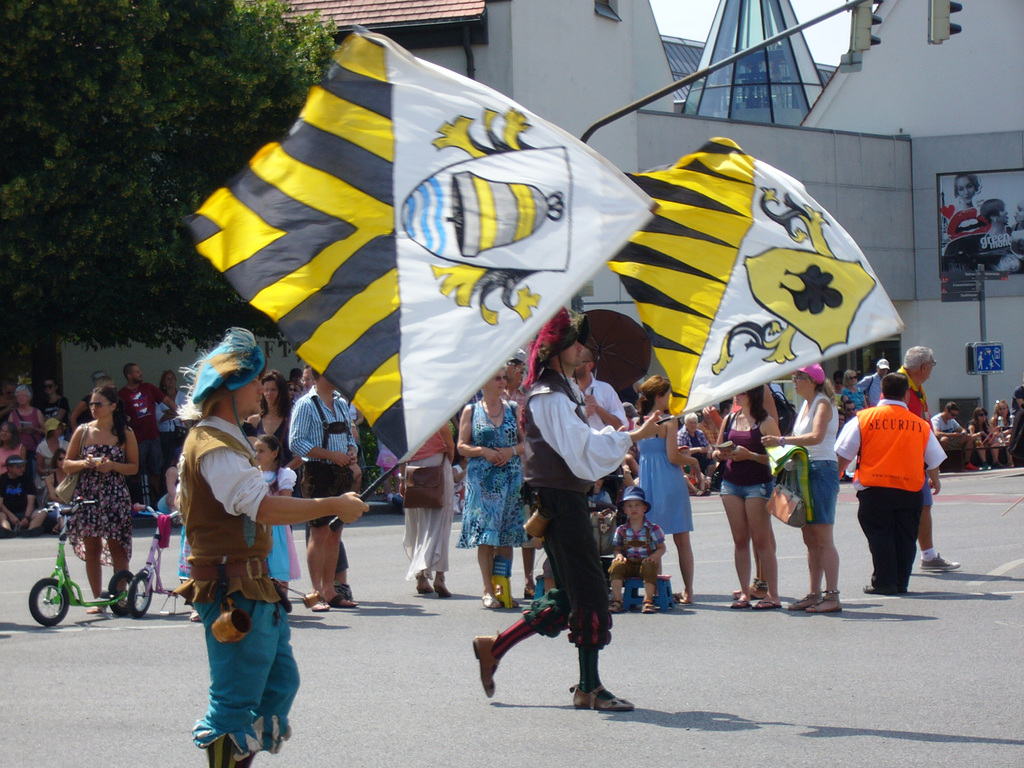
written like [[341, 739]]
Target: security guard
[[897, 449]]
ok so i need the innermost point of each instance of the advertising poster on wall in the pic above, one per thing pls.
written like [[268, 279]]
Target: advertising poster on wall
[[981, 229]]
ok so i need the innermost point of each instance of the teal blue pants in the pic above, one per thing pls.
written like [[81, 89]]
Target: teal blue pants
[[252, 682]]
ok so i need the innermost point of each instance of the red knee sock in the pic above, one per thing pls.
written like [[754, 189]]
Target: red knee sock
[[514, 634]]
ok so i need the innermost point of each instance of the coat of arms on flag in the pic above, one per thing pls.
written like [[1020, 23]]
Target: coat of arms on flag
[[743, 277], [413, 229]]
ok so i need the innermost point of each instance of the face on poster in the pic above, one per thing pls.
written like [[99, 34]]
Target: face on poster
[[981, 222]]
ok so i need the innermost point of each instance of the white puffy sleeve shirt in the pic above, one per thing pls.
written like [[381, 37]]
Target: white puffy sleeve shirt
[[590, 454], [235, 483]]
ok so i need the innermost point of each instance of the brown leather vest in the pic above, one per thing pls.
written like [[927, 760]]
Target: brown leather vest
[[542, 466], [214, 535]]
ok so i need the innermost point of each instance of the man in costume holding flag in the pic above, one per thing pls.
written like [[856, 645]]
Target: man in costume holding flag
[[228, 513], [564, 456]]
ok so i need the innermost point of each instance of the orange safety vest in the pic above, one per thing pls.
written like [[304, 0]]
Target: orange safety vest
[[892, 445]]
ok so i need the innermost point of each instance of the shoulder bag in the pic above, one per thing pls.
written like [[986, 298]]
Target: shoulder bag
[[424, 487], [790, 466], [787, 506], [66, 489]]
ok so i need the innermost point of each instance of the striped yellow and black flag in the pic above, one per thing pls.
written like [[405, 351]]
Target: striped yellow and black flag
[[306, 232], [413, 229], [742, 277]]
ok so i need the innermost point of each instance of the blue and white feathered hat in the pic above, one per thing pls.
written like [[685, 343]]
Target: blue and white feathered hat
[[233, 363]]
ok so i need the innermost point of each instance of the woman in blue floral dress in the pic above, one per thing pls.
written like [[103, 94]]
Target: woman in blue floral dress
[[102, 452], [492, 519]]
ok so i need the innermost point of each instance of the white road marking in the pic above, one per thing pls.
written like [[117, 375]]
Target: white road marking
[[1002, 569]]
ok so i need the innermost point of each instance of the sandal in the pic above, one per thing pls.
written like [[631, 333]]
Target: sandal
[[195, 617], [829, 603], [811, 599], [594, 700], [320, 607], [682, 599], [616, 606], [649, 607], [740, 603], [758, 589], [342, 602], [97, 610], [765, 605], [423, 586], [491, 602]]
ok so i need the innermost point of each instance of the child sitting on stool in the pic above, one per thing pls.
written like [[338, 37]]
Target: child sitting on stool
[[638, 546]]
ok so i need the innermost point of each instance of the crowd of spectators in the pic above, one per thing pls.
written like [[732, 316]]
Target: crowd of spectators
[[479, 454]]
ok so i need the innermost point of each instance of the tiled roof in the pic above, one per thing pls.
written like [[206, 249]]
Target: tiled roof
[[346, 13]]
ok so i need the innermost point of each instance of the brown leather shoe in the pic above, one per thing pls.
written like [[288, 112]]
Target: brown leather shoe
[[488, 664], [582, 700]]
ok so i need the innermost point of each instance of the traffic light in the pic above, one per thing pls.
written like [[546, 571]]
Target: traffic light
[[864, 18], [939, 25]]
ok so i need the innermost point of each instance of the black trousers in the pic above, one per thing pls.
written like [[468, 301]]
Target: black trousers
[[576, 566], [890, 518]]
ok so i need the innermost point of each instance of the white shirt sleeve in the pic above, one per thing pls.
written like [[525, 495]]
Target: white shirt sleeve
[[848, 444], [235, 483], [286, 478], [589, 453], [608, 399]]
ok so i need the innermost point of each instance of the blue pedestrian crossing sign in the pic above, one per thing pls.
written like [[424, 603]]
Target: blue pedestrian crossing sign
[[984, 357]]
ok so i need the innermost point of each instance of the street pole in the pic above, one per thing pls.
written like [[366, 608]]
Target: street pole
[[982, 329], [702, 73]]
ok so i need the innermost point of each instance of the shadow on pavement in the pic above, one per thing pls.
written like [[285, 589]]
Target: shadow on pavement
[[725, 722], [819, 732], [962, 576]]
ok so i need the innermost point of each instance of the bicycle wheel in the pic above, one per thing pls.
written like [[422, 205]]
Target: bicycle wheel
[[119, 584], [140, 594], [48, 602]]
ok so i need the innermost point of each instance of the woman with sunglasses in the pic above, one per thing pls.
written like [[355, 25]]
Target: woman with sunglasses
[[104, 451], [851, 391], [815, 429], [492, 519], [986, 439]]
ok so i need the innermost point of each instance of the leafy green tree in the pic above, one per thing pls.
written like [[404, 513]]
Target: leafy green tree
[[117, 119]]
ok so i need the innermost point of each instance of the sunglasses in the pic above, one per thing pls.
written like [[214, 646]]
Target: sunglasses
[[98, 404]]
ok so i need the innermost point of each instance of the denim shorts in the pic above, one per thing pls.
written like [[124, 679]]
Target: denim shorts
[[756, 491], [824, 476], [926, 493]]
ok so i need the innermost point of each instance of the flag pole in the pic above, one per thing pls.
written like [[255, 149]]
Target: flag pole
[[336, 523], [702, 73]]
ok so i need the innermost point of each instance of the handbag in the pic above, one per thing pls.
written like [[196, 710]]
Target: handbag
[[787, 506], [66, 490], [424, 487], [791, 500]]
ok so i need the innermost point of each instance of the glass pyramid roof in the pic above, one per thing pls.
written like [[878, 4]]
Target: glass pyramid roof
[[776, 85]]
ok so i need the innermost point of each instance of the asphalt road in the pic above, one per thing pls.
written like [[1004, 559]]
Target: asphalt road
[[932, 678]]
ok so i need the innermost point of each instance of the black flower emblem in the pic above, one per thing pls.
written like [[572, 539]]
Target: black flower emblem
[[816, 294]]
